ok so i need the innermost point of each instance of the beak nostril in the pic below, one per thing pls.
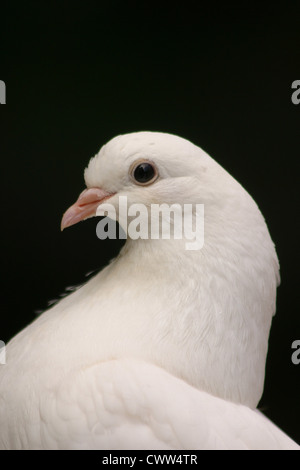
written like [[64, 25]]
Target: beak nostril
[[85, 206]]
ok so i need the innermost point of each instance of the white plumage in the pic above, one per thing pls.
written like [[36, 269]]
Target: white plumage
[[165, 348]]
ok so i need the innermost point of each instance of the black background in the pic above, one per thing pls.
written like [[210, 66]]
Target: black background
[[79, 74]]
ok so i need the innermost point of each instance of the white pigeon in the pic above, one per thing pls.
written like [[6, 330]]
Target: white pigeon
[[165, 348]]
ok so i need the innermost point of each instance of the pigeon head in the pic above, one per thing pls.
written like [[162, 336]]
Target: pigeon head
[[150, 168]]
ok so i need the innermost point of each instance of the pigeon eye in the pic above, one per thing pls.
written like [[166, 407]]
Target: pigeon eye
[[144, 173]]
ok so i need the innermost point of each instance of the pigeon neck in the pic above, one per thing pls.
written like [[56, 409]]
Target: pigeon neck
[[209, 317]]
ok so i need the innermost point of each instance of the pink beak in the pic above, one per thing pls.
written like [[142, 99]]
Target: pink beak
[[85, 206]]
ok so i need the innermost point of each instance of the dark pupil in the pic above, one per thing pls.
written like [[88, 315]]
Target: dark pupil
[[144, 172]]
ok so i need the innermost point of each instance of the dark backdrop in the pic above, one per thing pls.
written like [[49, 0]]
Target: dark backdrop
[[77, 76]]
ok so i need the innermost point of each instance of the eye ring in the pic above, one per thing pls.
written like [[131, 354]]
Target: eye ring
[[143, 172]]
